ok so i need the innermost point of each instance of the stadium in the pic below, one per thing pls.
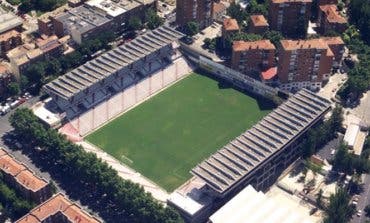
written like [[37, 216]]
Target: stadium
[[141, 106], [184, 107]]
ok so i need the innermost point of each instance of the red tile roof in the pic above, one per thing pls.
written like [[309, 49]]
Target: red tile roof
[[269, 74], [290, 1], [218, 7], [303, 44], [20, 173], [250, 45], [58, 204], [333, 40], [332, 14], [10, 166], [259, 20], [231, 24]]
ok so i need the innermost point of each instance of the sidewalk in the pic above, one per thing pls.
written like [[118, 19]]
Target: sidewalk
[[127, 173]]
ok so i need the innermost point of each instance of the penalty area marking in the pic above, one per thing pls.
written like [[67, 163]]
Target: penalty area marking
[[125, 158]]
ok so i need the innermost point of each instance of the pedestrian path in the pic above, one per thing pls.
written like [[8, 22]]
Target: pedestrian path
[[127, 173]]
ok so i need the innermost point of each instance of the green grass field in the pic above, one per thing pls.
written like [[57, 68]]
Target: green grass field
[[166, 136]]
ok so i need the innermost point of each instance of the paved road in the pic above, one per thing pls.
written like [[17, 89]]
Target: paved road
[[362, 110], [364, 199], [325, 152], [6, 127]]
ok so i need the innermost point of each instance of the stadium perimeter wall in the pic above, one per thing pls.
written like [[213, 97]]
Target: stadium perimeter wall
[[131, 96]]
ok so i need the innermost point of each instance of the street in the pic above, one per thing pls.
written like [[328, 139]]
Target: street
[[364, 199], [6, 127], [362, 110]]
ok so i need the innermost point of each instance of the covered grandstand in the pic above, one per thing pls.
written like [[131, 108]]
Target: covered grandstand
[[261, 153], [98, 79]]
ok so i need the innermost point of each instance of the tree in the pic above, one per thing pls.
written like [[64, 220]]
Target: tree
[[119, 200], [336, 119], [153, 20], [273, 36], [257, 8], [13, 88], [367, 210], [134, 23], [342, 161], [23, 82], [46, 5], [319, 198], [339, 209], [349, 163], [359, 14], [53, 67], [191, 28], [36, 72], [236, 12]]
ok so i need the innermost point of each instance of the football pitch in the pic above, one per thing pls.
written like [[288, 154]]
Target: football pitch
[[166, 136]]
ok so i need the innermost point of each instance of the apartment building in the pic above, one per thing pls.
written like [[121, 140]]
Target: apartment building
[[5, 78], [229, 28], [199, 11], [336, 45], [81, 23], [23, 56], [288, 16], [258, 24], [219, 11], [120, 11], [251, 58], [9, 40], [304, 63], [23, 179], [93, 17], [329, 19], [58, 209], [9, 21]]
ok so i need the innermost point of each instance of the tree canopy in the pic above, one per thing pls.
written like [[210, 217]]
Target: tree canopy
[[324, 132], [116, 199], [191, 28], [349, 163], [359, 14], [40, 5], [339, 209], [153, 20]]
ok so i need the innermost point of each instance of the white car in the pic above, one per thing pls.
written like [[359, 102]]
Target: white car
[[332, 152], [359, 212]]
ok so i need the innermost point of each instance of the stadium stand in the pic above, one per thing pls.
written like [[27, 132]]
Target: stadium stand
[[100, 78], [274, 136]]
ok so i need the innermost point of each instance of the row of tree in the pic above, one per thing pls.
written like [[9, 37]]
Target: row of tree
[[39, 5], [323, 133], [357, 38], [151, 21], [116, 199], [14, 205]]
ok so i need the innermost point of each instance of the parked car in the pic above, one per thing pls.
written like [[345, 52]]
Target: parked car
[[14, 104], [5, 109], [359, 213]]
